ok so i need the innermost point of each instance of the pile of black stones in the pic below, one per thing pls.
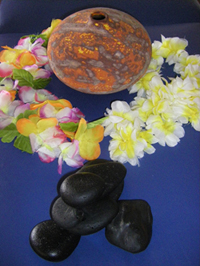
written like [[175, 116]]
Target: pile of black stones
[[88, 201]]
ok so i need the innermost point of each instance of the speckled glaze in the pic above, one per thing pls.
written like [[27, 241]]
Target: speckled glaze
[[99, 51]]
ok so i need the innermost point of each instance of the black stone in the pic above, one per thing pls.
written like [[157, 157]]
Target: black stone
[[97, 161], [81, 189], [51, 242], [64, 215], [131, 229], [97, 216], [113, 173], [116, 193]]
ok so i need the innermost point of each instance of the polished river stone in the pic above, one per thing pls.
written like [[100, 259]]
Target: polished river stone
[[51, 242], [116, 193], [113, 173], [81, 189], [88, 201], [97, 216], [131, 229], [65, 215]]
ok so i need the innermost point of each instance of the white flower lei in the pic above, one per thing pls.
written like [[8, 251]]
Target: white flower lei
[[161, 107]]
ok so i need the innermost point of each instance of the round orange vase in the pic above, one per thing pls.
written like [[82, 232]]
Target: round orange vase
[[99, 51]]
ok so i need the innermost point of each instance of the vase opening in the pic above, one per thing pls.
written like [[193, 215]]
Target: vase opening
[[98, 15]]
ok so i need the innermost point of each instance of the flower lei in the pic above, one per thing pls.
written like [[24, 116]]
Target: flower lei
[[37, 121]]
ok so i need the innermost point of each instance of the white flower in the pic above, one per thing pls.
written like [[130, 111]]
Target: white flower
[[180, 64], [193, 71], [157, 60], [125, 146], [143, 84], [171, 47], [120, 115], [185, 60], [129, 144], [167, 132]]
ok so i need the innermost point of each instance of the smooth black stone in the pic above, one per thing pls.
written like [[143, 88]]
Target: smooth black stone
[[51, 242], [113, 173], [131, 229], [116, 193], [97, 216], [64, 215], [97, 161], [81, 189]]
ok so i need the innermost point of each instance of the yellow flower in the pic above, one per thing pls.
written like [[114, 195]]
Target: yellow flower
[[34, 125], [89, 139], [49, 30], [19, 58]]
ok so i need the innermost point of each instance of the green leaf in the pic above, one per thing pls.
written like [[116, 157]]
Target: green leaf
[[8, 134], [24, 77], [96, 122], [41, 83], [26, 114], [71, 126], [23, 143]]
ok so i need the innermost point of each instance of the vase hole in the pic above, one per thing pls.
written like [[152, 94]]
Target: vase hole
[[98, 15]]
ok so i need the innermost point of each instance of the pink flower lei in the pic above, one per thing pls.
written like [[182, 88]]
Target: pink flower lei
[[34, 118]]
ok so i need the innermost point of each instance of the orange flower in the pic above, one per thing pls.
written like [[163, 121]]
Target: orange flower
[[69, 134], [34, 125], [13, 94], [57, 104], [89, 139], [19, 58]]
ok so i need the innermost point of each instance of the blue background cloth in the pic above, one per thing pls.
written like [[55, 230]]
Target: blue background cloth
[[168, 179]]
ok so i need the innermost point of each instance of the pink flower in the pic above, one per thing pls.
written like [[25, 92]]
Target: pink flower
[[67, 115], [29, 95], [6, 102], [39, 52], [64, 115], [35, 48], [8, 84], [5, 120], [5, 69], [46, 143], [9, 109], [70, 155], [38, 72]]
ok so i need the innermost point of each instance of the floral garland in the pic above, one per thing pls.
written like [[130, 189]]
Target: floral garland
[[37, 121]]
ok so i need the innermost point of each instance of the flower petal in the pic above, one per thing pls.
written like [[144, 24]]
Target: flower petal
[[26, 94], [45, 123], [5, 69], [26, 127]]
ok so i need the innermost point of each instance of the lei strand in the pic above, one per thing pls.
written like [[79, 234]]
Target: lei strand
[[37, 121]]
